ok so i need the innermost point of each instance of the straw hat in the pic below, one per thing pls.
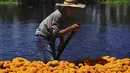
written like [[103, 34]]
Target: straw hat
[[71, 3]]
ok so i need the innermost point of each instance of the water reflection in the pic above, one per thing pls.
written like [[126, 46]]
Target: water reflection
[[17, 28], [105, 31]]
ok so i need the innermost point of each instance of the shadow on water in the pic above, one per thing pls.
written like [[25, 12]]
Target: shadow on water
[[104, 32]]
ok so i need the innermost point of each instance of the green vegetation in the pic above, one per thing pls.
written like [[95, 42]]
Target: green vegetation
[[88, 1], [9, 2], [114, 1]]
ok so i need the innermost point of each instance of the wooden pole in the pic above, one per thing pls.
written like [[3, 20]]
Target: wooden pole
[[62, 47]]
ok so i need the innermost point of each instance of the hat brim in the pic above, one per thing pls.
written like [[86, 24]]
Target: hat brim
[[74, 5]]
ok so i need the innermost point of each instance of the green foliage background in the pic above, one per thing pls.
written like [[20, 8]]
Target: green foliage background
[[8, 0], [114, 1], [98, 1]]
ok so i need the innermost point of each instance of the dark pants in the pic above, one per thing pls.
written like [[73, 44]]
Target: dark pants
[[45, 48]]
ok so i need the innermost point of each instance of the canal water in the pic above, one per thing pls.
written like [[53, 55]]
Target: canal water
[[105, 31]]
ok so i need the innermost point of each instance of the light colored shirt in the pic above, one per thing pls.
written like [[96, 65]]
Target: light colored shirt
[[50, 26]]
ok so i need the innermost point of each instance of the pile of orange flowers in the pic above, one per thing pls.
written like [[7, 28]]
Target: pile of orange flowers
[[104, 64]]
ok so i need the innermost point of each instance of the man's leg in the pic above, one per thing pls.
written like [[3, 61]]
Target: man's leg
[[53, 47], [44, 48]]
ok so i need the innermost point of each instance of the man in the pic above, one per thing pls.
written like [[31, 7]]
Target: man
[[57, 24]]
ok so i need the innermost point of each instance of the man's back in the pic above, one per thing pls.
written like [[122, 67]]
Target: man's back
[[49, 26]]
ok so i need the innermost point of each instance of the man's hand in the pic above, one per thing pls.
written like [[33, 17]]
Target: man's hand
[[75, 27]]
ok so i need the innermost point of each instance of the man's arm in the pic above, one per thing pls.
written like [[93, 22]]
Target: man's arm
[[74, 27]]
